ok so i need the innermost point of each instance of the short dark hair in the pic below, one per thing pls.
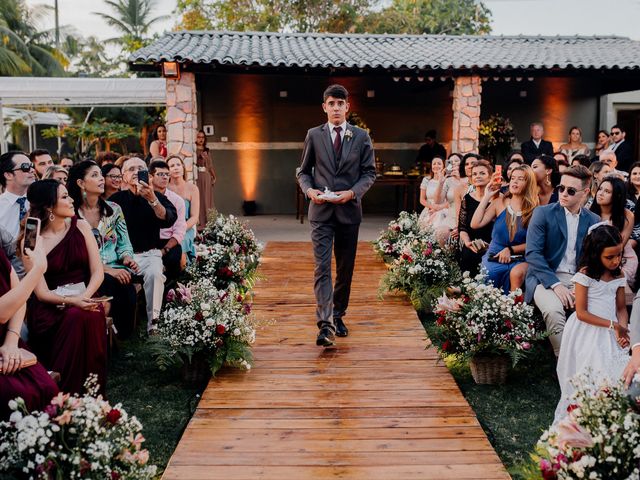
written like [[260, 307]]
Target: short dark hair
[[335, 91], [107, 157], [156, 165], [582, 159], [619, 127], [580, 172], [431, 134], [7, 165], [37, 152]]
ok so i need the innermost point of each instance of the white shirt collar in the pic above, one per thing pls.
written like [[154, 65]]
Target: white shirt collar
[[536, 142], [567, 213], [343, 125], [12, 197]]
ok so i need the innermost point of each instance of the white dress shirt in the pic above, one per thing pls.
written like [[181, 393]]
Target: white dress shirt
[[568, 264], [614, 146], [10, 213], [536, 142], [332, 131]]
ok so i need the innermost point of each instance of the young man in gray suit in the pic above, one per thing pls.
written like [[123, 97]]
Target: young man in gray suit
[[338, 157], [633, 366]]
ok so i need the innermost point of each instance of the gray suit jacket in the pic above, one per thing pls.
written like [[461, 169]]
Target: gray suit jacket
[[634, 321], [354, 169]]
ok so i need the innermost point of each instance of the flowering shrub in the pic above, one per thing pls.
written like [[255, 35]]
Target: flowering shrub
[[75, 437], [391, 241], [478, 319], [496, 136], [200, 319], [228, 252], [422, 270], [600, 437]]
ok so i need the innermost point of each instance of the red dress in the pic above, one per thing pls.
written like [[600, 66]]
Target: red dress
[[70, 341], [33, 384]]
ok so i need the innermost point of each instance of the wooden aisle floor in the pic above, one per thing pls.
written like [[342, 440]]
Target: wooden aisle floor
[[375, 407]]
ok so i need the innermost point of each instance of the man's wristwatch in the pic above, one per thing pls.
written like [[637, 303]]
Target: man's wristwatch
[[154, 203]]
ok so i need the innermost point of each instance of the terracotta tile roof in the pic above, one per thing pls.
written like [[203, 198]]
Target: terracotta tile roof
[[364, 51]]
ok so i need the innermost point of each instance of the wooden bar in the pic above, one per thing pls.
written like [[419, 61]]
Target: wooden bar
[[377, 406]]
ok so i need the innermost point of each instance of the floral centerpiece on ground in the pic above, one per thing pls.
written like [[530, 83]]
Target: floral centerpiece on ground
[[422, 270], [478, 319], [390, 242], [74, 437], [599, 438], [228, 252], [496, 137], [206, 323]]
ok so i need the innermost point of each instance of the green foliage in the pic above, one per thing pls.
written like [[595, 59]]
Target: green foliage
[[452, 17], [96, 134]]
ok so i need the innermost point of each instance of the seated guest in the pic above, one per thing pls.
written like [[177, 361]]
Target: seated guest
[[66, 163], [561, 161], [428, 189], [158, 147], [554, 243], [513, 160], [468, 161], [146, 212], [109, 228], [112, 179], [33, 384], [107, 158], [41, 160], [511, 213], [602, 143], [574, 146], [445, 221], [171, 238], [621, 147], [547, 178], [190, 193], [633, 195], [430, 149], [610, 205], [598, 170], [67, 329], [581, 160], [56, 172], [611, 160], [16, 174], [536, 146], [470, 238], [120, 161], [8, 245]]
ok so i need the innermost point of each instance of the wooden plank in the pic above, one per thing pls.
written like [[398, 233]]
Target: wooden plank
[[377, 406]]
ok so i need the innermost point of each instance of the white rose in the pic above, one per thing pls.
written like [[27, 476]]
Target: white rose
[[209, 322]]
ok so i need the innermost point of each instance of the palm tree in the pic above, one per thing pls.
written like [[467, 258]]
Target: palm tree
[[24, 49], [133, 19]]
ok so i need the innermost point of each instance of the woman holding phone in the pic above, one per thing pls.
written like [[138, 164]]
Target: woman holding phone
[[33, 384], [445, 221], [86, 187], [67, 328]]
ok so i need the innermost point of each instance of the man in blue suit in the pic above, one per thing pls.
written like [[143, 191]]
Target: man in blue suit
[[554, 244]]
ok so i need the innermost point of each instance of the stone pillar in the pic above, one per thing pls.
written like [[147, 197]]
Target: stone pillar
[[182, 119], [467, 97]]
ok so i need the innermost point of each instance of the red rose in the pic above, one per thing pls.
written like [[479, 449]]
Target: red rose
[[115, 476], [113, 416], [198, 316], [508, 324], [572, 407], [440, 320], [466, 299], [446, 345], [218, 343], [519, 299], [220, 329]]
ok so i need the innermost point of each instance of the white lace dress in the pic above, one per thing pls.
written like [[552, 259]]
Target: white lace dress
[[430, 186], [588, 347]]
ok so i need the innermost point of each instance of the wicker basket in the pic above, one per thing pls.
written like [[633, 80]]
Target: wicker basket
[[197, 371], [489, 370]]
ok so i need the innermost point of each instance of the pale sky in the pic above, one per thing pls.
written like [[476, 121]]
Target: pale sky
[[510, 17]]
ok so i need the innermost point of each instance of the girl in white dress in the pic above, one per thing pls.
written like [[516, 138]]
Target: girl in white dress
[[595, 336], [445, 221], [428, 189]]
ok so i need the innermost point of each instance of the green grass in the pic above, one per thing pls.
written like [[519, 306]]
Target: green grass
[[513, 415], [160, 400]]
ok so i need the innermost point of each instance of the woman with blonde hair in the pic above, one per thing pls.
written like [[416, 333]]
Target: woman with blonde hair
[[56, 172], [504, 259], [575, 146], [191, 196]]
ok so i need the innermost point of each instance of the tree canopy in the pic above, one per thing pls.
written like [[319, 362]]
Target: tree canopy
[[453, 17]]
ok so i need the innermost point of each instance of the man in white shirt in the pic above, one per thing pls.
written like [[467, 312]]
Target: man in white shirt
[[610, 158], [622, 148], [554, 242], [42, 160], [536, 145], [16, 174]]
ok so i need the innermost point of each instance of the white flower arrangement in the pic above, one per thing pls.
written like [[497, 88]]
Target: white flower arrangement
[[405, 229], [600, 437], [74, 437]]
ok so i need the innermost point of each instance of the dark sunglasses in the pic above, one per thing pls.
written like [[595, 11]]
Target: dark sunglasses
[[24, 167], [616, 133], [570, 190]]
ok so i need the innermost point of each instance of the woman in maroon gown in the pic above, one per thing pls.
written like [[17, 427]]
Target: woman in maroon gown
[[67, 329], [33, 384]]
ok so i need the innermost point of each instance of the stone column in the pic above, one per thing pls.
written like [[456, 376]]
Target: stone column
[[467, 97], [182, 119]]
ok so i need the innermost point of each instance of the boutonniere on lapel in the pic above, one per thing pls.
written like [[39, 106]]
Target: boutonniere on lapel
[[348, 134]]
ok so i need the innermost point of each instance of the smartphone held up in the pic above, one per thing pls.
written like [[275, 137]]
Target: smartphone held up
[[31, 233]]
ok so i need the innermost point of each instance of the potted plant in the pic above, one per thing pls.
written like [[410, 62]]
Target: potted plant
[[496, 137], [74, 437], [478, 322]]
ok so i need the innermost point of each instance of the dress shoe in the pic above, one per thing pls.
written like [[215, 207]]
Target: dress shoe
[[341, 328], [326, 338]]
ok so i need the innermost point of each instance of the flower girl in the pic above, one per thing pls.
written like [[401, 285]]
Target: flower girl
[[595, 336]]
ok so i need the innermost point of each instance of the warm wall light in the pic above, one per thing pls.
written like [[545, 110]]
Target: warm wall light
[[284, 94], [170, 70], [371, 93]]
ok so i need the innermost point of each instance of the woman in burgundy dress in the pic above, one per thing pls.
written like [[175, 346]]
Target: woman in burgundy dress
[[33, 384], [67, 328]]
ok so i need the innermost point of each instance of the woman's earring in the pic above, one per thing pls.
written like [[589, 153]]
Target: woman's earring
[[84, 194], [52, 217]]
